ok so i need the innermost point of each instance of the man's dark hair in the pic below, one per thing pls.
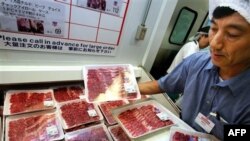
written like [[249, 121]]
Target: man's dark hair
[[221, 12]]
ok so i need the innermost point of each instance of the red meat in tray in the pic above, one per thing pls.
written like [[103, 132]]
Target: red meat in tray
[[78, 112], [106, 108], [139, 121], [110, 82], [93, 133], [34, 126], [67, 93], [118, 133], [23, 101], [182, 134], [143, 117]]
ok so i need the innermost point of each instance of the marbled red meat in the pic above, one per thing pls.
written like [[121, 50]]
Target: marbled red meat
[[118, 134], [67, 93], [25, 102], [178, 136], [76, 113], [94, 134], [139, 121], [99, 80], [32, 128]]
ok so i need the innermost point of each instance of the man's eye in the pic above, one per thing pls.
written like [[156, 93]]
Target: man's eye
[[214, 30], [232, 35]]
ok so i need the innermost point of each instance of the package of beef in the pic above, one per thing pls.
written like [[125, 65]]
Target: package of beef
[[78, 112], [23, 101], [33, 127], [144, 117], [106, 108], [118, 133], [93, 133], [180, 134], [110, 82], [67, 93]]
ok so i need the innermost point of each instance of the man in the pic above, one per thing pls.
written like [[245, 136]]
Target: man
[[215, 86], [199, 42]]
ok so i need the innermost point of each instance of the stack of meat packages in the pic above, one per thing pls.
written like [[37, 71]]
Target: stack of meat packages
[[111, 86], [80, 119], [74, 113], [30, 115], [83, 120]]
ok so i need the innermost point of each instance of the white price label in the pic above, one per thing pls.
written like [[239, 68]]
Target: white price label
[[92, 113], [129, 88], [162, 116], [48, 103], [52, 130], [82, 96]]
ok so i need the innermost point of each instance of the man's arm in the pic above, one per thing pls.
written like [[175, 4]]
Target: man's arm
[[151, 87]]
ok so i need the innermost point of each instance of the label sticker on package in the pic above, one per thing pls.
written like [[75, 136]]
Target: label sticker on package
[[129, 88], [92, 113], [82, 96], [48, 103], [163, 116], [52, 130]]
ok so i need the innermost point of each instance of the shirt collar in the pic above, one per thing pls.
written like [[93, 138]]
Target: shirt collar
[[239, 83], [235, 84]]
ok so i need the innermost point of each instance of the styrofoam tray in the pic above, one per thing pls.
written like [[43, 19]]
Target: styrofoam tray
[[110, 120], [47, 104], [67, 87], [122, 86], [115, 138], [199, 136], [64, 124], [71, 135], [139, 104], [51, 129]]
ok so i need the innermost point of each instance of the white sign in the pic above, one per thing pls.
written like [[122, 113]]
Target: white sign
[[62, 25], [33, 43]]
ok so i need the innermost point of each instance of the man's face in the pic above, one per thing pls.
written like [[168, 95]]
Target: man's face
[[203, 41], [229, 40]]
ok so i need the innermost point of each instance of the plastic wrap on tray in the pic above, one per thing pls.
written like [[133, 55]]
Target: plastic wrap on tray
[[110, 82], [94, 133], [78, 112], [33, 126], [106, 108], [143, 118], [118, 133], [179, 134], [67, 93], [23, 101]]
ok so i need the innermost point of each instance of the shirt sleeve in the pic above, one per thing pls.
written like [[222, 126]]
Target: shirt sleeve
[[174, 82]]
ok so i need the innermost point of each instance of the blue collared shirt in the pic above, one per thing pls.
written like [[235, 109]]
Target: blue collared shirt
[[203, 92]]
